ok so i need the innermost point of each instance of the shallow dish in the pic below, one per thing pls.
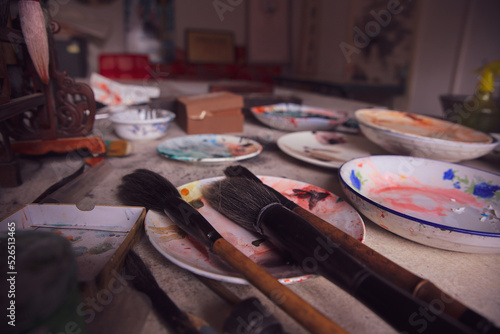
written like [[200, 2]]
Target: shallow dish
[[431, 202], [188, 254], [423, 136], [209, 148], [141, 123], [326, 149], [296, 117]]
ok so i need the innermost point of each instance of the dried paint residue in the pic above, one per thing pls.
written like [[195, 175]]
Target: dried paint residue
[[169, 233], [423, 200], [310, 195]]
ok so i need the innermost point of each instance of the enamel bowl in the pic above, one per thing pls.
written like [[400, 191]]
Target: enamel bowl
[[141, 123], [296, 117], [434, 203], [423, 136]]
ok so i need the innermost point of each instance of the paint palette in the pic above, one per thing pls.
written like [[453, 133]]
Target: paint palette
[[187, 253], [296, 117], [209, 148], [431, 202], [326, 148], [99, 238]]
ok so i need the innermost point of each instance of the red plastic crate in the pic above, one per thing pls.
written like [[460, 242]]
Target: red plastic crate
[[124, 66]]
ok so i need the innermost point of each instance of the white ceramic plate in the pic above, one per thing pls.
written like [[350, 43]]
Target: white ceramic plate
[[296, 117], [209, 148], [187, 253], [435, 203], [326, 149], [422, 136]]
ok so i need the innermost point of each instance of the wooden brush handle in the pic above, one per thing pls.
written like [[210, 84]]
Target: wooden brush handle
[[406, 280], [286, 299], [418, 287], [315, 252]]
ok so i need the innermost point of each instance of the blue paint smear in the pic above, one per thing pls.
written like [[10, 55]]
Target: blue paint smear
[[448, 175], [485, 190], [355, 180]]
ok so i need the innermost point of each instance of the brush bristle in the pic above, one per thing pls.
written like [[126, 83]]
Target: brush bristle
[[239, 199], [146, 188], [240, 171]]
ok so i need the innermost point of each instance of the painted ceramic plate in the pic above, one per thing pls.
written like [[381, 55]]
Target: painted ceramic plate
[[182, 250], [209, 148], [296, 117], [418, 135], [326, 149], [431, 202]]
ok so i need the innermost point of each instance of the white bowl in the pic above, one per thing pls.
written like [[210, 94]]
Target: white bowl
[[296, 117], [142, 124], [435, 203], [423, 136]]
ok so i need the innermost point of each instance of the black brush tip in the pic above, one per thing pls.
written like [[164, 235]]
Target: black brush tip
[[239, 199], [240, 171], [146, 188]]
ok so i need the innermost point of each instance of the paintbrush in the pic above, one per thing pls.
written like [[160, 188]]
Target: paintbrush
[[153, 191], [252, 207], [169, 313], [35, 36], [403, 278]]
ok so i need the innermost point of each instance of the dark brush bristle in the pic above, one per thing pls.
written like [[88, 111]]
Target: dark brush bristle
[[240, 171], [146, 188], [239, 199]]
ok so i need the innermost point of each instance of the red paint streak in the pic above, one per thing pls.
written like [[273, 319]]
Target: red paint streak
[[198, 245], [259, 110], [402, 198]]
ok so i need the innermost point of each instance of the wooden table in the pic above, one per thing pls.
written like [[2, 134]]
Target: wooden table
[[473, 279]]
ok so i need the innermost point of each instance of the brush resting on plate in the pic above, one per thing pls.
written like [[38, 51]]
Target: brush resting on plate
[[418, 287], [153, 191], [254, 208]]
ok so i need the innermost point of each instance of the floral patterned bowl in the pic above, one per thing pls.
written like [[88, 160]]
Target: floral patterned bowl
[[435, 203], [418, 135], [141, 123], [296, 117]]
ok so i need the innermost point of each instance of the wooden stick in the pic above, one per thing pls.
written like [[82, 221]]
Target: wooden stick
[[287, 300]]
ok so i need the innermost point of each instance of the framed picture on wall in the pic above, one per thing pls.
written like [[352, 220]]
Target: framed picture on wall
[[209, 47], [268, 31]]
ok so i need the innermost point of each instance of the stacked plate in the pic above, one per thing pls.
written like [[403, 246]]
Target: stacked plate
[[423, 136]]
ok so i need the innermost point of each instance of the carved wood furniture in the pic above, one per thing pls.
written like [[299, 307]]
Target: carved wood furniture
[[36, 118]]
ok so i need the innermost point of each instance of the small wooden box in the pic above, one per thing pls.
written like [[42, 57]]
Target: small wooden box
[[216, 113]]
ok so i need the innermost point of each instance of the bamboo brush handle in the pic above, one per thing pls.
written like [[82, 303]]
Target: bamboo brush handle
[[406, 280], [286, 299]]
